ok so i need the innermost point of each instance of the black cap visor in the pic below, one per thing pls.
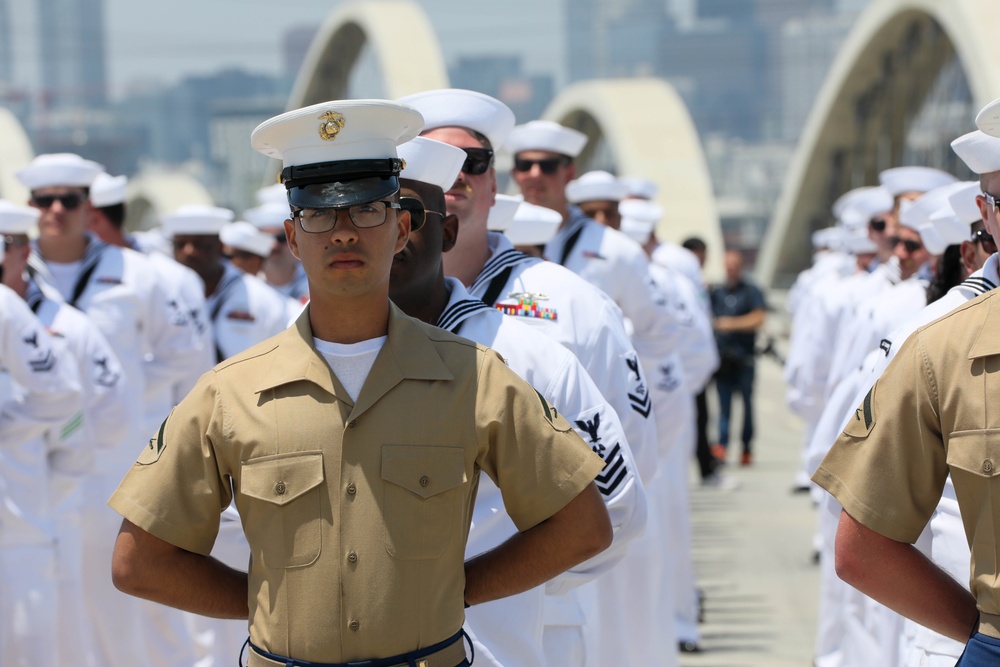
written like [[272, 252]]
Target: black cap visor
[[342, 194]]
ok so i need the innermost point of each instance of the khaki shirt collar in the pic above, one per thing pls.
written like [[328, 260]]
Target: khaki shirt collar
[[988, 342], [407, 354]]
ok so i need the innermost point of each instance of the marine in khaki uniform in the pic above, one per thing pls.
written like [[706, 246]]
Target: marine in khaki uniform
[[352, 443]]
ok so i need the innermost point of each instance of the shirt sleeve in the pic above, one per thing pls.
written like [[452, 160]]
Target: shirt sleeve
[[527, 448], [177, 489], [888, 467]]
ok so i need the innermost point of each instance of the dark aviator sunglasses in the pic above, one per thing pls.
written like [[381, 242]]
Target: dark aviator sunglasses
[[69, 201]]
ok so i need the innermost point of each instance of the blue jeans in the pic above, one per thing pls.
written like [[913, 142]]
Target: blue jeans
[[741, 380], [981, 650]]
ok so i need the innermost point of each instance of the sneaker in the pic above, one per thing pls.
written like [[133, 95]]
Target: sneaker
[[719, 452], [746, 459], [719, 481]]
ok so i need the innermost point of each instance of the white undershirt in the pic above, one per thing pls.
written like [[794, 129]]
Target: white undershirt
[[352, 362], [64, 276]]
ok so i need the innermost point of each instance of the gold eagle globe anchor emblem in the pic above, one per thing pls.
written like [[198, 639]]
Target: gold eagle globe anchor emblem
[[331, 126]]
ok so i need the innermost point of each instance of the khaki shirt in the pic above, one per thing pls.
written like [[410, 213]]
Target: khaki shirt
[[935, 411], [357, 514]]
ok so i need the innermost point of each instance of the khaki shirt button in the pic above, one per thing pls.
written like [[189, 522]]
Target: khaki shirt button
[[351, 489], [425, 480], [352, 423], [988, 466], [354, 625], [279, 488], [353, 557]]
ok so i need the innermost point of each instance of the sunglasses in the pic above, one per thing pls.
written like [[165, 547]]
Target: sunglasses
[[992, 201], [909, 244], [985, 241], [418, 214], [477, 161], [547, 165], [877, 225], [69, 201]]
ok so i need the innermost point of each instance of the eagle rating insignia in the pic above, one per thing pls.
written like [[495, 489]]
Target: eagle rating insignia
[[331, 126]]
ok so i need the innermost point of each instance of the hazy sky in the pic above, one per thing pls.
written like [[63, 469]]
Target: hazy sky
[[159, 42]]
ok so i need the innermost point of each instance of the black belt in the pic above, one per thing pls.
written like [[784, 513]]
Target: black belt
[[442, 654]]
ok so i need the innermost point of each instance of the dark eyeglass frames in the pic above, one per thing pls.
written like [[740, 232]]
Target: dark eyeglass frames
[[69, 201], [985, 240], [364, 216], [909, 244], [13, 242], [417, 212], [477, 161], [547, 165]]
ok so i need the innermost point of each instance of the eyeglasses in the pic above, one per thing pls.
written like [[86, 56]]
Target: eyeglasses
[[877, 225], [69, 200], [417, 212], [477, 161], [547, 165], [364, 216], [13, 242], [985, 241], [992, 201], [910, 245]]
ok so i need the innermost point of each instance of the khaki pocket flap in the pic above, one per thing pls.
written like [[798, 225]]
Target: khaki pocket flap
[[424, 470], [283, 478], [977, 452]]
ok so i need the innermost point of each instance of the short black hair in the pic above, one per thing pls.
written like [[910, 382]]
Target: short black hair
[[694, 244], [114, 213]]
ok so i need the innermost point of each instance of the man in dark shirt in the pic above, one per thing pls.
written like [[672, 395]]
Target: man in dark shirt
[[738, 309]]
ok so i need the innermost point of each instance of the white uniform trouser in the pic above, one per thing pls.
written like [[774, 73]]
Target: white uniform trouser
[[28, 606], [74, 637], [116, 631], [677, 513], [833, 590], [220, 640]]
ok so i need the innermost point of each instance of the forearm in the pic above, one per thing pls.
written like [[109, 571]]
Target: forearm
[[752, 321], [897, 575], [147, 567], [530, 558]]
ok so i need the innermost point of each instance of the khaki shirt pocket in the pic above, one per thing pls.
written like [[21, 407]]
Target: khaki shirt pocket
[[282, 512], [424, 504], [973, 457]]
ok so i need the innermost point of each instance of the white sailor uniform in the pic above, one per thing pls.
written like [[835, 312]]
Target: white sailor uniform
[[511, 628], [40, 391]]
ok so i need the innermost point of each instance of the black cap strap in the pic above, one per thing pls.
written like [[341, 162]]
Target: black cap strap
[[340, 170]]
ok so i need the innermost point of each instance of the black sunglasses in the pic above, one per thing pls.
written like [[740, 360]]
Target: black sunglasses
[[547, 165], [12, 242], [418, 214], [69, 201], [985, 240], [877, 225], [909, 244], [477, 161]]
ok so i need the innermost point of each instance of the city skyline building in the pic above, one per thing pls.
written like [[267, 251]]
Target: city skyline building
[[71, 51]]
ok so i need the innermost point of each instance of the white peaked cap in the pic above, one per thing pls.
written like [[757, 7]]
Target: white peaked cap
[[268, 215], [979, 151], [857, 242], [596, 186], [454, 107], [432, 162], [947, 227], [273, 194], [59, 169], [196, 219], [865, 202], [988, 118], [917, 213], [900, 180], [640, 188], [244, 236], [368, 129], [679, 259], [108, 190], [639, 218], [546, 135], [502, 212], [963, 203], [15, 219], [533, 225]]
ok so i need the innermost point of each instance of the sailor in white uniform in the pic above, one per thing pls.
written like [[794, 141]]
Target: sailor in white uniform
[[246, 246], [539, 293], [116, 288], [510, 629]]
